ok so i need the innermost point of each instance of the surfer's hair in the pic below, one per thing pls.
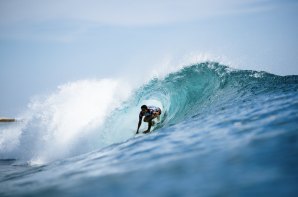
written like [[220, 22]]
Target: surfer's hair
[[144, 107]]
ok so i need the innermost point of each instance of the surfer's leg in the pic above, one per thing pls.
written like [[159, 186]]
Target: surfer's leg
[[146, 119], [149, 120], [149, 126]]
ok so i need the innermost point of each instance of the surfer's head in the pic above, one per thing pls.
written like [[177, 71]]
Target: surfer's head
[[144, 108]]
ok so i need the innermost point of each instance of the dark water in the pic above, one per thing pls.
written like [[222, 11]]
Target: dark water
[[223, 132]]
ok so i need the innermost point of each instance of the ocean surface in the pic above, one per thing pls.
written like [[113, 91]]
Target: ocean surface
[[223, 132]]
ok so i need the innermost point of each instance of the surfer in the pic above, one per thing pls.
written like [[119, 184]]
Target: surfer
[[150, 112]]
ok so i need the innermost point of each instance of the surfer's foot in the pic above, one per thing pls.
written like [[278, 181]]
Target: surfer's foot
[[147, 131]]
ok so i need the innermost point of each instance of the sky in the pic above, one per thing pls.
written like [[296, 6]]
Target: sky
[[44, 44]]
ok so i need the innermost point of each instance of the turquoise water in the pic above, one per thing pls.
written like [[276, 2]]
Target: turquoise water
[[224, 132]]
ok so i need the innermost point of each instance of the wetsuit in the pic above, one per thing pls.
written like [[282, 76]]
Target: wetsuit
[[150, 111]]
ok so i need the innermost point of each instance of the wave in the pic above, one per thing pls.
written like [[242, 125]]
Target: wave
[[87, 115], [204, 87]]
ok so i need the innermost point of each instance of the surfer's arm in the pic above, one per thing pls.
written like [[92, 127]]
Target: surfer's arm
[[139, 124], [155, 114]]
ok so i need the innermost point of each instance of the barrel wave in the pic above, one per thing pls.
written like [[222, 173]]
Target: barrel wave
[[203, 88], [223, 132]]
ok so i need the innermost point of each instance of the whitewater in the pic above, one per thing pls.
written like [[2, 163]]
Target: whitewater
[[223, 132]]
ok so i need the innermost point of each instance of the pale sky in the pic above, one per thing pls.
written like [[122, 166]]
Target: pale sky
[[44, 44]]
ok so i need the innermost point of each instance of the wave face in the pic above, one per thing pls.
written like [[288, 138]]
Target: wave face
[[223, 129], [209, 87]]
